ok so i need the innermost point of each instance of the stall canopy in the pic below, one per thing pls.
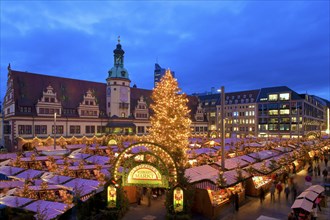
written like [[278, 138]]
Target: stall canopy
[[201, 172], [265, 154], [310, 195], [247, 158], [49, 210], [75, 146], [29, 174], [10, 184], [8, 170], [232, 177], [95, 159], [55, 179], [316, 188], [8, 156], [14, 201], [302, 204], [233, 163], [82, 186]]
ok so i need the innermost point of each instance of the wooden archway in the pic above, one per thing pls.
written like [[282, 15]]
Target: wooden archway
[[162, 161]]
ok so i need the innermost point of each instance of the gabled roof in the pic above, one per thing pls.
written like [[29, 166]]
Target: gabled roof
[[29, 88]]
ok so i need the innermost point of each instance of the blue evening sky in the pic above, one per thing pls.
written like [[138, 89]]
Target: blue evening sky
[[241, 45]]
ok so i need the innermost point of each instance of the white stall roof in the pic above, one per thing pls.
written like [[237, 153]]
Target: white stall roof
[[29, 174], [231, 176], [98, 159], [75, 146], [10, 184], [78, 155], [55, 179], [257, 166], [254, 144], [50, 187], [9, 170], [7, 156], [265, 154], [98, 148], [232, 163], [47, 208], [84, 186], [14, 201], [201, 172], [247, 158], [40, 158], [283, 149]]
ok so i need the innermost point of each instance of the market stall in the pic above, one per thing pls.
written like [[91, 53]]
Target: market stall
[[211, 197], [262, 177]]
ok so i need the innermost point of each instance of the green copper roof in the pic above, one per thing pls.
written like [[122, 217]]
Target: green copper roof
[[118, 72]]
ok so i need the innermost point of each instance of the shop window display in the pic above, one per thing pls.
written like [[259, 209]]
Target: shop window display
[[260, 181]]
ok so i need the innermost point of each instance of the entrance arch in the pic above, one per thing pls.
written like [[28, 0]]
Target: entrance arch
[[145, 164], [312, 135]]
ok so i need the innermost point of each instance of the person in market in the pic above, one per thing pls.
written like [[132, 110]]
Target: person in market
[[262, 195], [279, 188], [315, 171], [310, 170], [287, 192], [318, 170], [326, 160], [272, 192], [293, 168], [314, 213], [325, 174], [236, 201]]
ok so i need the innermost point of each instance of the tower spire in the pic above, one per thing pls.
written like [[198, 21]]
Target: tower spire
[[119, 39]]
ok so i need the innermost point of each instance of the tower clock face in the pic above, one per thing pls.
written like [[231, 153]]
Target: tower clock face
[[124, 94]]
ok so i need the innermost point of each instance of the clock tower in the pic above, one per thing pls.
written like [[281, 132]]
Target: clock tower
[[118, 86]]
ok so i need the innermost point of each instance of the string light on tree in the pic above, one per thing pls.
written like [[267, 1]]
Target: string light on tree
[[170, 123]]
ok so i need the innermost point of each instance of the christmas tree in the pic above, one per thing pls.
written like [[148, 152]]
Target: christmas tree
[[170, 123]]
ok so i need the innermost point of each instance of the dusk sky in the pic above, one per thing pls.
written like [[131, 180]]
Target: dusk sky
[[241, 45]]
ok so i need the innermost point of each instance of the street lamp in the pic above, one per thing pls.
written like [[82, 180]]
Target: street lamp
[[55, 131], [222, 92]]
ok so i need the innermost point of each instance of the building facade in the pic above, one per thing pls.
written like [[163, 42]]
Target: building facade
[[34, 103], [267, 112]]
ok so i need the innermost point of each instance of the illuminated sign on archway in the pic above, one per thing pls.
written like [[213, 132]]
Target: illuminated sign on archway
[[144, 174], [178, 199], [112, 142], [112, 196]]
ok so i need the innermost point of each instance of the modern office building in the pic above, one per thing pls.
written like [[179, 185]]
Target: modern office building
[[267, 112], [34, 103], [159, 72]]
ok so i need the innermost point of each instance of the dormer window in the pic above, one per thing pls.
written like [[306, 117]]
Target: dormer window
[[49, 104], [123, 73], [88, 107]]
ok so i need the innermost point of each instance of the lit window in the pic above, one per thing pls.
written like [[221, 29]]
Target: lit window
[[273, 112], [284, 111], [285, 96], [273, 97]]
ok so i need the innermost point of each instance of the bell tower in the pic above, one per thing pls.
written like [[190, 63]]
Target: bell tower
[[118, 86]]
